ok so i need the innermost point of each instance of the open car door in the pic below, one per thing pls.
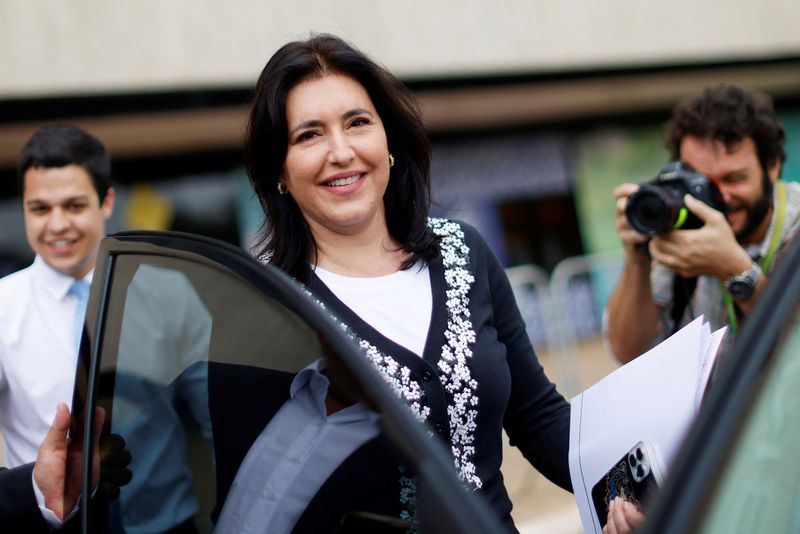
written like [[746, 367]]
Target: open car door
[[211, 370]]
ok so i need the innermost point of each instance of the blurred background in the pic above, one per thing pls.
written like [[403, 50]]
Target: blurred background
[[536, 109]]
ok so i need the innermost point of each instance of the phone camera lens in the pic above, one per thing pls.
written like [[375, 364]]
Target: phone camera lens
[[639, 453], [632, 460], [640, 471]]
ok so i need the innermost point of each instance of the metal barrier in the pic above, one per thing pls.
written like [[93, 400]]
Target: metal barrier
[[579, 289], [566, 307]]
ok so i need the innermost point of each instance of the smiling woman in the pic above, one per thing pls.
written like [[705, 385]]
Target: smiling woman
[[340, 161], [322, 107]]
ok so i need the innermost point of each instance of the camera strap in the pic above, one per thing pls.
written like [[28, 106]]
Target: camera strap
[[682, 291], [765, 263]]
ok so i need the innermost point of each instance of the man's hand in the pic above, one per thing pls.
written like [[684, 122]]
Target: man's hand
[[629, 237], [50, 471], [710, 250], [623, 517], [632, 314]]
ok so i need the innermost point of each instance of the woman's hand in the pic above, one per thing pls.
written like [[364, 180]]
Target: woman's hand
[[623, 517]]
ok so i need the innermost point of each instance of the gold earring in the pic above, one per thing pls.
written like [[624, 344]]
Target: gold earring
[[282, 188], [391, 160]]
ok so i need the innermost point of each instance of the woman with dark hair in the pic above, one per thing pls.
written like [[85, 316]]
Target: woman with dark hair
[[268, 142], [339, 158]]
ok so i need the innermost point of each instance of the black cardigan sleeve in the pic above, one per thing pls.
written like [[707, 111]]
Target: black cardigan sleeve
[[537, 416], [19, 511]]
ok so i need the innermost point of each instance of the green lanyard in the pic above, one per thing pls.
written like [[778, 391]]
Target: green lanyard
[[766, 261]]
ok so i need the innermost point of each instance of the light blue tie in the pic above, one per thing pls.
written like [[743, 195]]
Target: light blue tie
[[79, 288]]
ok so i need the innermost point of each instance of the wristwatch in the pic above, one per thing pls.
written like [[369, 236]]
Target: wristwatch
[[741, 286]]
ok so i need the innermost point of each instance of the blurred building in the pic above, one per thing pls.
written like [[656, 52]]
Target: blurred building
[[536, 109]]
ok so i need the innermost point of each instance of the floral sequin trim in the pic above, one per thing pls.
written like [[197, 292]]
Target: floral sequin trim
[[397, 376], [460, 335], [456, 353], [408, 500]]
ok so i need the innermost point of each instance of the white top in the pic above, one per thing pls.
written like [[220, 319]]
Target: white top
[[37, 356], [397, 305]]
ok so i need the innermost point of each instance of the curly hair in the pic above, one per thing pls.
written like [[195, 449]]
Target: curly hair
[[729, 114]]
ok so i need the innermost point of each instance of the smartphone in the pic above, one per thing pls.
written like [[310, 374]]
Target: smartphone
[[632, 478]]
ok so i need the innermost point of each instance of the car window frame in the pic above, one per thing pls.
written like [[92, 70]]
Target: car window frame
[[683, 502], [443, 499]]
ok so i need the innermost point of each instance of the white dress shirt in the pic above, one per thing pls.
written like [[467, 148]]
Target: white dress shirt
[[37, 356]]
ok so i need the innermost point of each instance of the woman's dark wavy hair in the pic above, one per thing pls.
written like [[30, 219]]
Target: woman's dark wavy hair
[[286, 236], [729, 114]]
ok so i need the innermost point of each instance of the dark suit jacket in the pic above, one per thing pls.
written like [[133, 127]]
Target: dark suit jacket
[[244, 399], [18, 509]]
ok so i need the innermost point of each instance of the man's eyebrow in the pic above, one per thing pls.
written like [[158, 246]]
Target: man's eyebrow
[[315, 122], [38, 201]]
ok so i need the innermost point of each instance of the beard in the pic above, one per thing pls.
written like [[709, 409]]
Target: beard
[[757, 212]]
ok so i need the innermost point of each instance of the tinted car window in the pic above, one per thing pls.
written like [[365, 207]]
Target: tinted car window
[[760, 489], [237, 411], [737, 470], [177, 316]]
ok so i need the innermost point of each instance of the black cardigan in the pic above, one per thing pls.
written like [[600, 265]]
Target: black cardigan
[[502, 386], [506, 387]]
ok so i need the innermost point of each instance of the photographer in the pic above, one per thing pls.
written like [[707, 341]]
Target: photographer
[[718, 270]]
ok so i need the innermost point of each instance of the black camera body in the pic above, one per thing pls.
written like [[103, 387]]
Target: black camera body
[[657, 206]]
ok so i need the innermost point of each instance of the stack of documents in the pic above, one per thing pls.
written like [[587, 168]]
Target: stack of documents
[[654, 399]]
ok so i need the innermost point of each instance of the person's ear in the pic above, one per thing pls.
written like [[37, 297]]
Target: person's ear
[[774, 172], [107, 206]]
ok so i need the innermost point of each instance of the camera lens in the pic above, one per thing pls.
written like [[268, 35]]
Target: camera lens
[[649, 211]]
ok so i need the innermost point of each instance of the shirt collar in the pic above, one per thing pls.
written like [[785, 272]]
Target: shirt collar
[[304, 377], [312, 385], [56, 283]]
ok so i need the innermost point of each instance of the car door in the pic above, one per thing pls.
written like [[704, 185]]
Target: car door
[[206, 366], [738, 469]]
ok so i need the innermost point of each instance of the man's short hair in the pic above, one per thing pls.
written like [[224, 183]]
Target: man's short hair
[[62, 145], [729, 114]]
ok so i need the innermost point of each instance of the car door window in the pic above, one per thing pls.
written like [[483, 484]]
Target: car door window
[[759, 491], [182, 326], [238, 413]]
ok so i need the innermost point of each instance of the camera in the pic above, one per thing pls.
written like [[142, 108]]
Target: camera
[[657, 206]]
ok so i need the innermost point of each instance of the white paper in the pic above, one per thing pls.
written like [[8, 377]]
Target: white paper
[[707, 363], [653, 398]]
